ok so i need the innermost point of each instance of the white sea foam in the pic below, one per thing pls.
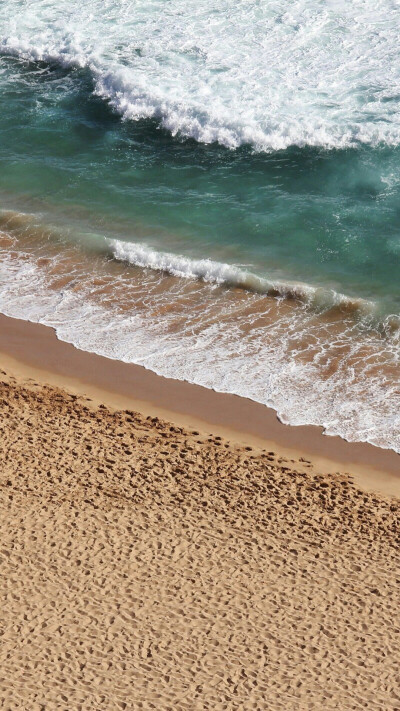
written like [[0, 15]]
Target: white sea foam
[[270, 74], [205, 269]]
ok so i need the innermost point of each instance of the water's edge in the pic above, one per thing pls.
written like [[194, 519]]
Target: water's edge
[[37, 353]]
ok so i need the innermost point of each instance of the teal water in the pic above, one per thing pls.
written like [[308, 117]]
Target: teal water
[[183, 187], [328, 218]]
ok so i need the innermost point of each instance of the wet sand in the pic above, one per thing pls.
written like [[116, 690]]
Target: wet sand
[[149, 564], [34, 349]]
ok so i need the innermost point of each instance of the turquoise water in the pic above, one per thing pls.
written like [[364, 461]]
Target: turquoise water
[[329, 218], [176, 152]]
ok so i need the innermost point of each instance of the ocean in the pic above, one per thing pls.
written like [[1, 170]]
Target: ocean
[[212, 191]]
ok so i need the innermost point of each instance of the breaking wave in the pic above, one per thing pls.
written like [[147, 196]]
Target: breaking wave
[[271, 76], [221, 274]]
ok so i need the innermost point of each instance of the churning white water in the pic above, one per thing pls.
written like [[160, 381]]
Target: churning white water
[[270, 74]]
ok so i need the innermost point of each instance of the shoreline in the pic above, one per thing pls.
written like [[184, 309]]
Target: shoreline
[[29, 350], [142, 560]]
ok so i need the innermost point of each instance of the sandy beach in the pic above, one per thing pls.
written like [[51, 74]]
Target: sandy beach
[[146, 564], [199, 356]]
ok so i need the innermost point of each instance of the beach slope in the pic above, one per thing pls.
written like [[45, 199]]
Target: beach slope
[[149, 566]]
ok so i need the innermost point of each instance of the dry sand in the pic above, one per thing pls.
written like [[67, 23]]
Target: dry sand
[[145, 566]]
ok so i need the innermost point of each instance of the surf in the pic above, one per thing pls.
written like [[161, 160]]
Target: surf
[[228, 275], [273, 76]]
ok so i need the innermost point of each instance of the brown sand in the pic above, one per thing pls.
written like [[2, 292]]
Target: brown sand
[[145, 566]]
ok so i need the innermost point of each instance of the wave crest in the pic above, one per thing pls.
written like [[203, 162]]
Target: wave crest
[[221, 274]]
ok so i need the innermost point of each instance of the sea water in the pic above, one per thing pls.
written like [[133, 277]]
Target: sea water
[[212, 190]]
